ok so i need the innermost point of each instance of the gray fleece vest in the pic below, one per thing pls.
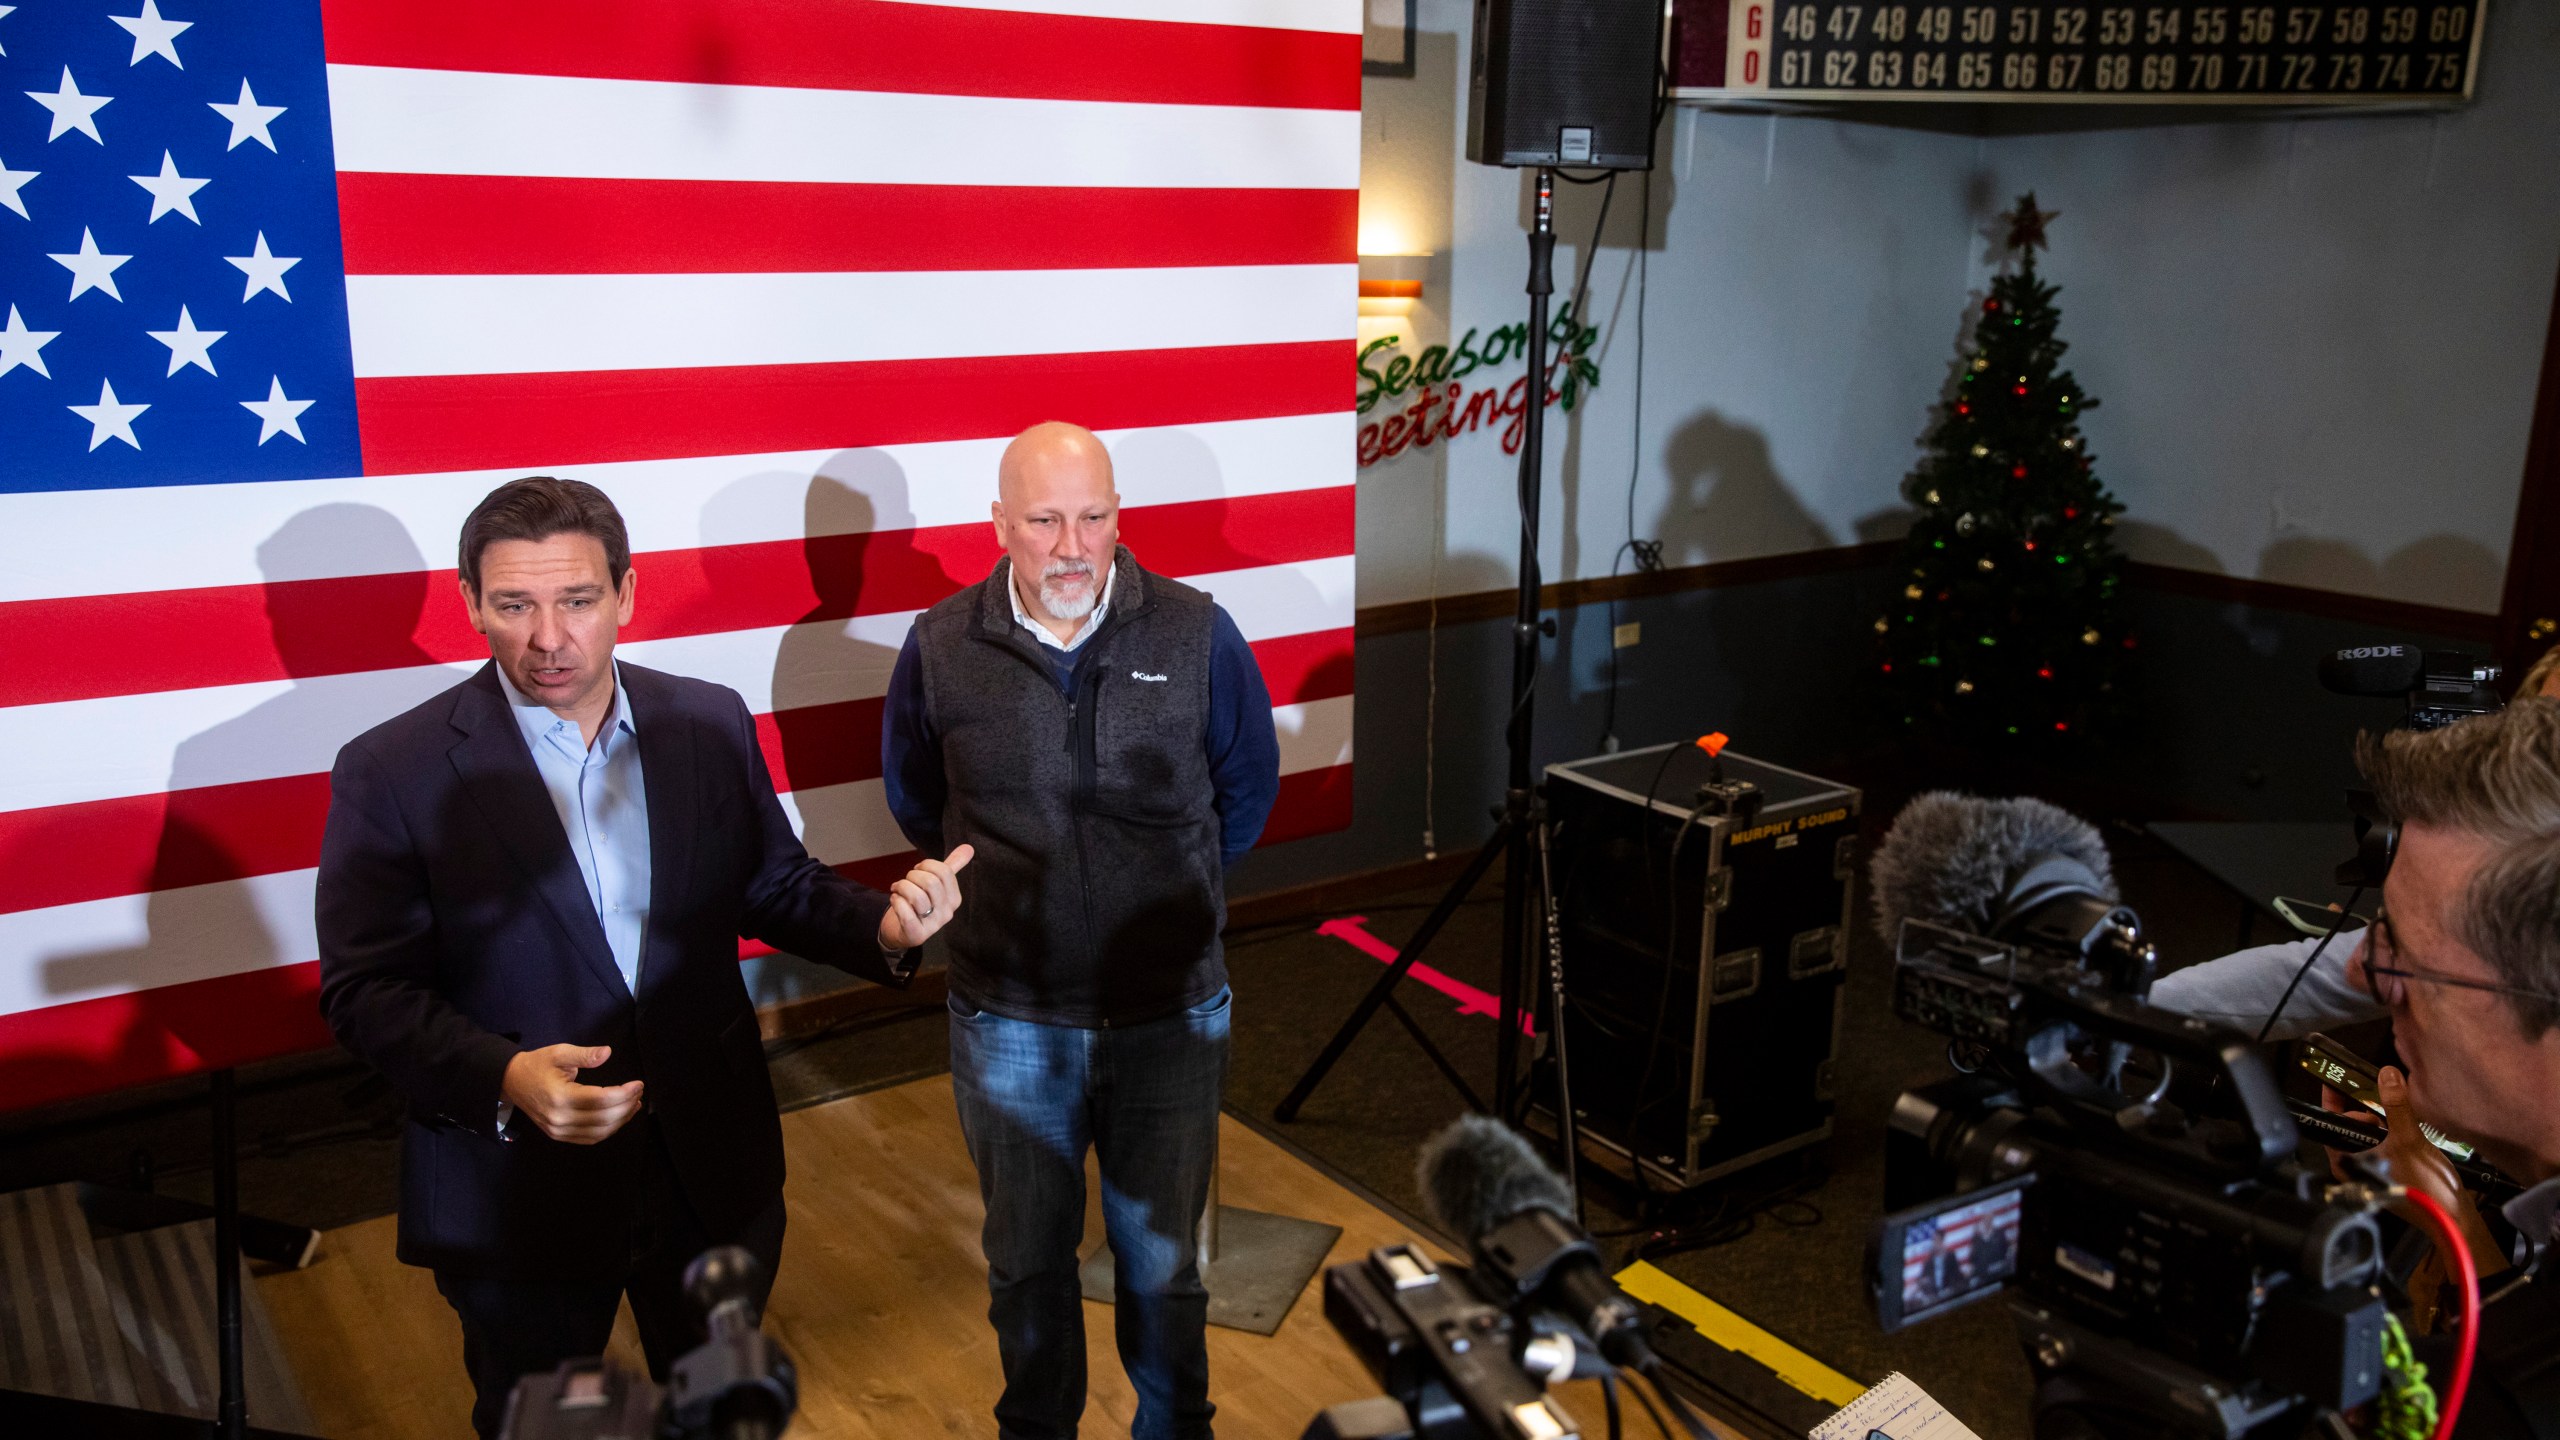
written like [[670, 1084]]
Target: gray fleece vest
[[1097, 895]]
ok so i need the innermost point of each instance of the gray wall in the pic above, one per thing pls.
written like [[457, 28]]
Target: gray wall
[[2316, 341], [1805, 278]]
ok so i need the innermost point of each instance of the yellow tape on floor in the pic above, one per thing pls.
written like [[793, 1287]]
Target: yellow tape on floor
[[1734, 1333]]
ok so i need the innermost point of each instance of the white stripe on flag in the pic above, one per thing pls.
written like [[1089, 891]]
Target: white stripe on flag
[[123, 745], [458, 122], [532, 324], [132, 942], [183, 537]]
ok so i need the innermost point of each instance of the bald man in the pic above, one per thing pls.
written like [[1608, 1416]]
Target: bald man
[[1101, 736]]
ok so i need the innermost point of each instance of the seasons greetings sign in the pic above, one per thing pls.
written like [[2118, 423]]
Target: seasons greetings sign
[[1429, 399]]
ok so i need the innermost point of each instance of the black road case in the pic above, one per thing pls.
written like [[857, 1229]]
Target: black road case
[[1671, 866]]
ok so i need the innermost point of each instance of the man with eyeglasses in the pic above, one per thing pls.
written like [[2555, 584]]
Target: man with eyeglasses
[[2268, 987], [2465, 959]]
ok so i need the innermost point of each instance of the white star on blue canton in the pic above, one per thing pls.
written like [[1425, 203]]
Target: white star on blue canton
[[187, 344], [91, 270], [277, 415], [249, 119], [4, 14], [22, 346], [153, 35], [265, 270], [10, 181], [170, 191], [109, 419], [71, 109]]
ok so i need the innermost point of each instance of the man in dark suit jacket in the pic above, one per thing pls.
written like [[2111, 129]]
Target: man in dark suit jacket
[[542, 874]]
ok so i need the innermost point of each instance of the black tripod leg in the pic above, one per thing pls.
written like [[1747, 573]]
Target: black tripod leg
[[1413, 1027], [231, 1405], [1568, 1128], [1367, 1009]]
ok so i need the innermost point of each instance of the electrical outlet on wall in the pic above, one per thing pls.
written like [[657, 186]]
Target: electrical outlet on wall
[[1623, 636]]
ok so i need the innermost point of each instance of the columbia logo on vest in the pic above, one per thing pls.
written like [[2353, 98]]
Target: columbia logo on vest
[[1143, 675]]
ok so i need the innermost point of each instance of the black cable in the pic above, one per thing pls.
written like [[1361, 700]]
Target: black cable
[[1670, 963], [1651, 1409], [1694, 1427], [1535, 392], [1648, 553], [1609, 1402], [1732, 1219], [2344, 915], [1670, 905]]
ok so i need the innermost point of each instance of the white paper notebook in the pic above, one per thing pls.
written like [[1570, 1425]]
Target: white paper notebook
[[1895, 1409]]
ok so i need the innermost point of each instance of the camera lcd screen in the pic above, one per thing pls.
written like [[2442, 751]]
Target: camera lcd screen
[[1932, 1259]]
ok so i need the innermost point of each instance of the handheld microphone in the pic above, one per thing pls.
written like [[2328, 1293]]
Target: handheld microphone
[[1480, 1180]]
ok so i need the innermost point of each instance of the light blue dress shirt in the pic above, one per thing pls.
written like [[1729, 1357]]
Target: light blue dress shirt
[[604, 807]]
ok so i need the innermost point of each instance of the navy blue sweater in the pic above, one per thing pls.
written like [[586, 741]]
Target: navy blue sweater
[[1244, 753]]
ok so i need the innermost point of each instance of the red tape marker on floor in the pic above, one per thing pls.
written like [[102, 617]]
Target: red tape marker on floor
[[1471, 1001]]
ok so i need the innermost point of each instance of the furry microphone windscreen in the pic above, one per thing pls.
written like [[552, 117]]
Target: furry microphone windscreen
[[1478, 1173], [1951, 858]]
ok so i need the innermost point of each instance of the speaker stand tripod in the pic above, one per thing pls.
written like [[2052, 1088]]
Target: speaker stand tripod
[[1519, 832]]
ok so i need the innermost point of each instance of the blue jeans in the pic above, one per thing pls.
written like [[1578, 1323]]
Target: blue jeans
[[1145, 1099]]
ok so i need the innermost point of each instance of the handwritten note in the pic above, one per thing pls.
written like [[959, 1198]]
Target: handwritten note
[[1894, 1410]]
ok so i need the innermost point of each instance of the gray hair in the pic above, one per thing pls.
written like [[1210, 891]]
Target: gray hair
[[2498, 777]]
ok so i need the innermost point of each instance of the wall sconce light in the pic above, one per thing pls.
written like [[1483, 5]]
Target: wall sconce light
[[1390, 284]]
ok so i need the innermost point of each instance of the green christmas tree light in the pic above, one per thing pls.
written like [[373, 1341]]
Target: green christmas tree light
[[1988, 645]]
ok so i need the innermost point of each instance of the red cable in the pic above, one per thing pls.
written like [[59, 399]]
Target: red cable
[[2469, 1275]]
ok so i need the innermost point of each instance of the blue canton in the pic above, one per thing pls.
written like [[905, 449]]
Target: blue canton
[[173, 304]]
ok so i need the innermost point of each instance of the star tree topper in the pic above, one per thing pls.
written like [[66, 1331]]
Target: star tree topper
[[2026, 223]]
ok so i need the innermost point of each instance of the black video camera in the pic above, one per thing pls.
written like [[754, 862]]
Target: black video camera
[[1469, 1351], [2126, 1173], [1455, 1353], [2438, 686], [737, 1385]]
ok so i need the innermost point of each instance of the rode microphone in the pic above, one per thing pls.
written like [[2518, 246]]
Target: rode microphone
[[2373, 669]]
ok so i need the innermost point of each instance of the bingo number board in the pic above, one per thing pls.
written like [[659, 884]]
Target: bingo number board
[[2039, 52]]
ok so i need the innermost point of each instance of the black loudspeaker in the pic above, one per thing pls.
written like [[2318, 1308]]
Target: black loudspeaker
[[1564, 82]]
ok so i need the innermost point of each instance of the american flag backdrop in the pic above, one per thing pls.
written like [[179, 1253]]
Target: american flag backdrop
[[286, 287]]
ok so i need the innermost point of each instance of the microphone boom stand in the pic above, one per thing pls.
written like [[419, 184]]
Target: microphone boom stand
[[1517, 834]]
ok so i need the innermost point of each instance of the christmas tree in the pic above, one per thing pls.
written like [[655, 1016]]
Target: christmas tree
[[2003, 629]]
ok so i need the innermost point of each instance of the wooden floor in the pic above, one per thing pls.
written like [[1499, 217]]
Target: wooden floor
[[881, 1301]]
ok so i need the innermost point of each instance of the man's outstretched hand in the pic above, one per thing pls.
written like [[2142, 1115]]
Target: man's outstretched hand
[[923, 901], [543, 1086]]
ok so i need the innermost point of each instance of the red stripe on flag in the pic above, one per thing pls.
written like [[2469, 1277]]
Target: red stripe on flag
[[77, 648], [1311, 802], [66, 854], [423, 423], [1299, 668], [857, 45], [542, 225], [65, 1051], [818, 745]]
